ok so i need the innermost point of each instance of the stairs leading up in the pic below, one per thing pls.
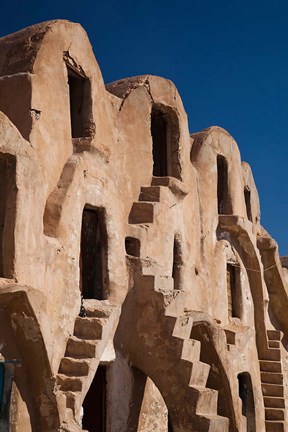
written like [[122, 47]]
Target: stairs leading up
[[82, 356], [272, 384]]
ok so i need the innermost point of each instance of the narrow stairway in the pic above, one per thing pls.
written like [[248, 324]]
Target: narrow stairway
[[83, 353], [176, 368], [272, 385]]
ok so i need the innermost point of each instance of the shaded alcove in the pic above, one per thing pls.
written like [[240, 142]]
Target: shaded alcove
[[95, 403], [8, 191], [233, 282], [245, 391], [223, 196], [93, 254], [132, 246], [247, 197], [147, 406], [165, 138], [177, 263], [80, 103]]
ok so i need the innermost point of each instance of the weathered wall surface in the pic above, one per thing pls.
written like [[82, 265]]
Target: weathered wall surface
[[195, 296]]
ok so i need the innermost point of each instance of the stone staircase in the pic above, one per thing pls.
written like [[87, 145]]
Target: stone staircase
[[272, 385], [176, 368], [84, 350]]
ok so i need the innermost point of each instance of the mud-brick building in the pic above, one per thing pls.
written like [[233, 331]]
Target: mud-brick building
[[138, 289]]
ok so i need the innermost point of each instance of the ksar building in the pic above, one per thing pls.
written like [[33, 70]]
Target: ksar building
[[138, 291]]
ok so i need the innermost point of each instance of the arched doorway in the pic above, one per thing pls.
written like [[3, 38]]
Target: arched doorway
[[165, 137]]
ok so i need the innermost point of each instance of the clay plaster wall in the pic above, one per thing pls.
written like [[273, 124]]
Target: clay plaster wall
[[57, 175]]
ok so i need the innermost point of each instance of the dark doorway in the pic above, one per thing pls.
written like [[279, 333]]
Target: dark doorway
[[93, 255], [247, 195], [246, 395], [233, 290], [8, 192], [95, 404], [224, 200], [170, 428], [2, 379], [80, 103], [159, 137], [177, 262]]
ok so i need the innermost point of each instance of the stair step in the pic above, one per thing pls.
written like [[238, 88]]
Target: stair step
[[150, 194], [141, 212], [274, 402], [273, 354], [207, 401], [274, 344], [270, 366], [80, 348], [218, 423], [73, 384], [199, 374], [274, 426], [274, 335], [89, 328], [98, 308], [271, 378], [274, 414], [191, 350], [183, 327], [272, 390], [74, 367]]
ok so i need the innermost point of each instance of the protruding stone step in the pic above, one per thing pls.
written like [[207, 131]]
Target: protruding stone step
[[80, 348], [273, 354], [183, 328], [73, 384], [151, 193], [141, 213], [274, 414], [97, 308], [218, 423], [271, 378], [270, 366], [199, 374], [74, 367], [207, 401], [274, 335], [273, 344], [274, 426], [191, 350], [274, 402], [272, 390], [89, 328]]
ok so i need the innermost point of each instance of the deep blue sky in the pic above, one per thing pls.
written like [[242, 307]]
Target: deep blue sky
[[229, 60]]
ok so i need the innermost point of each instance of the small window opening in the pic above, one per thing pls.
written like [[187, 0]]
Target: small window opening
[[224, 201], [132, 246], [80, 104], [233, 291], [177, 263], [93, 255], [245, 390], [95, 403], [247, 195], [8, 192]]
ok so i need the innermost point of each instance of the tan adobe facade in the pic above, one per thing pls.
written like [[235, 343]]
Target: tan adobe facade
[[138, 290]]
